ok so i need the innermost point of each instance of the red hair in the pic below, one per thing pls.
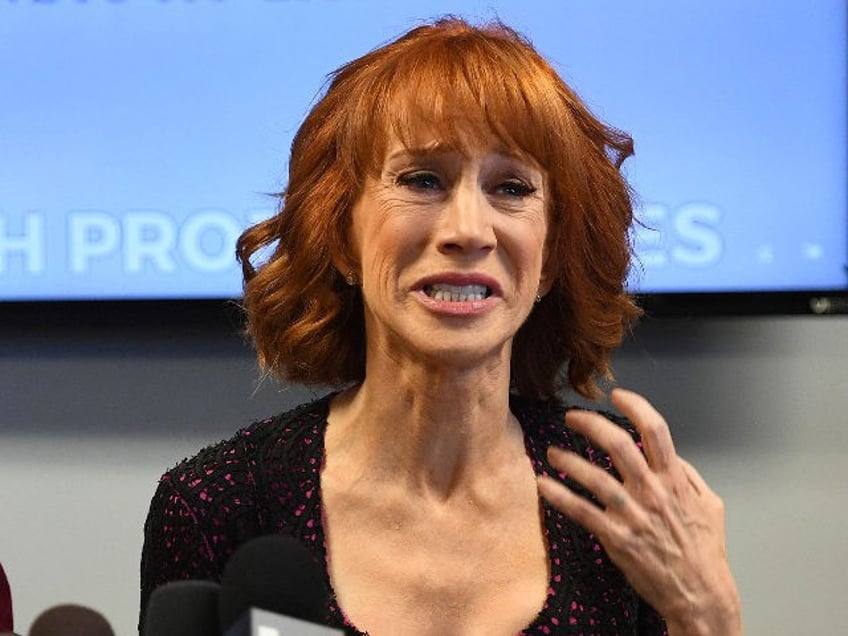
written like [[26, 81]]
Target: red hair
[[461, 82]]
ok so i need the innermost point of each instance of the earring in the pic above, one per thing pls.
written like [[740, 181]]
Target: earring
[[351, 279], [538, 297]]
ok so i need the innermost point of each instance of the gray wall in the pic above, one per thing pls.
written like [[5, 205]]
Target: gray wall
[[91, 417]]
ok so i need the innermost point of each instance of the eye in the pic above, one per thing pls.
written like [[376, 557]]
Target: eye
[[515, 188], [420, 180]]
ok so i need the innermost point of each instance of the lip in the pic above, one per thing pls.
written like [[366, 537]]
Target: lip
[[458, 308]]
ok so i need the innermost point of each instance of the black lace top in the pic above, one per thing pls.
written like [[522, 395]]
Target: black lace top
[[266, 479]]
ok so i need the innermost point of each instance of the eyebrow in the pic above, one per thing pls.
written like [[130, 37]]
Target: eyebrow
[[423, 151], [440, 149]]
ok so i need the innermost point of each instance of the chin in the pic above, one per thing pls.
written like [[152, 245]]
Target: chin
[[461, 351]]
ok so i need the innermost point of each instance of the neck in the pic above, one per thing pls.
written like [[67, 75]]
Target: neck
[[439, 431]]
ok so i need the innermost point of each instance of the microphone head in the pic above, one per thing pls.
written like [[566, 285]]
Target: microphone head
[[183, 608], [275, 573], [70, 620]]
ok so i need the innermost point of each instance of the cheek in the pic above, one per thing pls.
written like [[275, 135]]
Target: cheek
[[530, 247], [387, 245]]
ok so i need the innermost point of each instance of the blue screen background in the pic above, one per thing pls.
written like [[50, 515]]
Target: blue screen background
[[139, 137]]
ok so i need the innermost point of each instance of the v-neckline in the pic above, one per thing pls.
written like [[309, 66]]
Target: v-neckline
[[317, 524]]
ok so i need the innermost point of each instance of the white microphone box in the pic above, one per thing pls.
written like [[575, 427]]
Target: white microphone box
[[257, 622]]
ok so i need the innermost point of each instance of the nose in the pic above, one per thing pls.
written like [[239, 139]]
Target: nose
[[467, 223]]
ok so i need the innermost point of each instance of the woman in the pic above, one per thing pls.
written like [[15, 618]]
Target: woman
[[453, 233]]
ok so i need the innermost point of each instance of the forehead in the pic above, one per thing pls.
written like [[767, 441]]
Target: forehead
[[490, 152], [454, 140]]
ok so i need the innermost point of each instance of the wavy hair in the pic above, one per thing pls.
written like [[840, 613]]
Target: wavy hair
[[461, 81]]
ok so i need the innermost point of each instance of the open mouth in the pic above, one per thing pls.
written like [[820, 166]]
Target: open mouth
[[457, 293]]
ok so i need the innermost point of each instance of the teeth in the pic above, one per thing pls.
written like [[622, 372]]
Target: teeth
[[456, 293]]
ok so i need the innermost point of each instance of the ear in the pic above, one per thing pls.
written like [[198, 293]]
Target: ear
[[342, 255], [342, 264], [546, 277], [346, 270], [543, 289]]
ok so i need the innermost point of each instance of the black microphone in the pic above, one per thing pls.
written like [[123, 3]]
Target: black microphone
[[183, 608], [267, 583], [70, 620]]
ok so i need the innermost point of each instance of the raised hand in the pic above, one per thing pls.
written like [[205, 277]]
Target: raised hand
[[661, 523]]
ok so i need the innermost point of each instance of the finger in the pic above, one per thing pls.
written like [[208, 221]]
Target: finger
[[652, 427], [607, 490], [617, 442], [697, 482], [578, 508]]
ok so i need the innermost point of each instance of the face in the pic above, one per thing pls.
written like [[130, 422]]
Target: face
[[450, 248]]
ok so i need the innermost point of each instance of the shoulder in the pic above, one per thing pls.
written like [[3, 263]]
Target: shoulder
[[229, 490], [543, 422], [251, 484], [252, 449], [545, 419], [286, 429]]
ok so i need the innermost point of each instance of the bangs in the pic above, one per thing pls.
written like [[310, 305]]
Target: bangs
[[467, 91]]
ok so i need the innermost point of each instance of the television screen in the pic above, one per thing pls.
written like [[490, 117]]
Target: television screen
[[138, 138]]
